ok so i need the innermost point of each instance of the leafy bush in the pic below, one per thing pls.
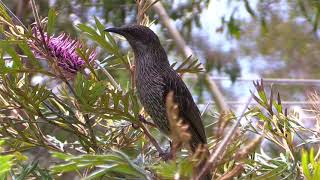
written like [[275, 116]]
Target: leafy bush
[[93, 126]]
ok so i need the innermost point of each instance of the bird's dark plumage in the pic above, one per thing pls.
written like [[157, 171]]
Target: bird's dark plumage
[[155, 78]]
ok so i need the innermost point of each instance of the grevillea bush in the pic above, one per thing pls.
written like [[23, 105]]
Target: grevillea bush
[[80, 121]]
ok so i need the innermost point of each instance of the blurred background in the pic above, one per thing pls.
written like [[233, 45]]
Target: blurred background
[[237, 41]]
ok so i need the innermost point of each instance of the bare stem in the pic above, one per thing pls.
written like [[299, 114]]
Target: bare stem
[[214, 157], [143, 120], [151, 138], [113, 82], [36, 17]]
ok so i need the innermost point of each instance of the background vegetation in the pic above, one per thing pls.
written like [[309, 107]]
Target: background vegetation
[[85, 121]]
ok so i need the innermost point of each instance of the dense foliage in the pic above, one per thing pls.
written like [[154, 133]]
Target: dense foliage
[[68, 106]]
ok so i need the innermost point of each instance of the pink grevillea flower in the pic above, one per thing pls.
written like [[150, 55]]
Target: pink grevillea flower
[[63, 49]]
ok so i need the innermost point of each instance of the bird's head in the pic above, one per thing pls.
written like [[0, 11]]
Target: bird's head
[[140, 38]]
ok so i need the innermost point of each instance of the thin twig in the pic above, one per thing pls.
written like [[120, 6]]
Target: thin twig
[[104, 70], [142, 119], [152, 139], [214, 157], [205, 109], [37, 18], [91, 132], [13, 15]]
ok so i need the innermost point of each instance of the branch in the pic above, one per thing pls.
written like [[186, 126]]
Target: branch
[[37, 19], [186, 51], [111, 79], [151, 138], [143, 120], [217, 154]]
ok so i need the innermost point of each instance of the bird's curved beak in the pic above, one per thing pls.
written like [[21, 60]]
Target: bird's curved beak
[[114, 30]]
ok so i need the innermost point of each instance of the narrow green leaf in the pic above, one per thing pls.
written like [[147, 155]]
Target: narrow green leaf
[[125, 101], [17, 64], [51, 21], [6, 162], [264, 26], [100, 172], [62, 156], [249, 9], [3, 68], [96, 37], [5, 43], [311, 157], [72, 166], [87, 29], [4, 14], [273, 173], [135, 104], [27, 170], [111, 39], [26, 50], [99, 26], [316, 20], [305, 163]]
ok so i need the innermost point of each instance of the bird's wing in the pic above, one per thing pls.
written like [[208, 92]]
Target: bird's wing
[[188, 109]]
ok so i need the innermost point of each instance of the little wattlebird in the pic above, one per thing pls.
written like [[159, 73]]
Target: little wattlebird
[[155, 78]]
